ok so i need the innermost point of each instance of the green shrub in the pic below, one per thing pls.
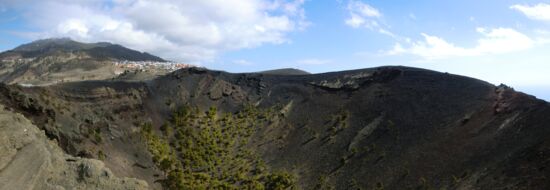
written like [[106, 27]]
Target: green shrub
[[208, 151], [280, 181], [100, 155], [97, 136]]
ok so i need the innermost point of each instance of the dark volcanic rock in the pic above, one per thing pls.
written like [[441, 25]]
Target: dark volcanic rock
[[387, 127]]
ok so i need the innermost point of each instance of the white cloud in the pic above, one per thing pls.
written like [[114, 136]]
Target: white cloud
[[388, 33], [355, 21], [313, 61], [494, 41], [186, 30], [362, 15], [363, 9], [537, 12], [366, 16]]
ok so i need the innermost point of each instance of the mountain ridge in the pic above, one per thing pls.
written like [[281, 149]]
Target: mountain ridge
[[56, 60], [390, 127], [285, 71], [100, 50]]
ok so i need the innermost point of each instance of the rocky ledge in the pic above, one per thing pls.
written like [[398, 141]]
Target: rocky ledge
[[28, 160]]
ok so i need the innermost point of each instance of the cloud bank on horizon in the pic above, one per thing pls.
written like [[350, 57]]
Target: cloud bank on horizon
[[492, 41], [196, 31], [187, 30]]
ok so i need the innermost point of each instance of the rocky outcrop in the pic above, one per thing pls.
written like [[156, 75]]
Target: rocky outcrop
[[220, 89], [28, 160], [355, 80]]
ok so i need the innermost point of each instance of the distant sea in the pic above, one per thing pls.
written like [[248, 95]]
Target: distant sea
[[541, 92]]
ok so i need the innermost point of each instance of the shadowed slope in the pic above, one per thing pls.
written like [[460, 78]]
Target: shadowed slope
[[387, 127]]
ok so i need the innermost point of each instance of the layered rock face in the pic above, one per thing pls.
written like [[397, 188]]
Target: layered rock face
[[28, 160]]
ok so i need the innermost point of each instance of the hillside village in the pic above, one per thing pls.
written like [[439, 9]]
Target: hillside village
[[149, 65]]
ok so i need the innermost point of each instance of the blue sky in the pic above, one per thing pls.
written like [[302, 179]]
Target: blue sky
[[500, 41]]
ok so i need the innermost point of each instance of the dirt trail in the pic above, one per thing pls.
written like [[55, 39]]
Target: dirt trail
[[25, 168]]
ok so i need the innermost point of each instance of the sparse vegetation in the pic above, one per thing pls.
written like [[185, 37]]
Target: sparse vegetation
[[313, 135], [97, 135], [336, 124], [379, 186], [101, 155], [323, 183], [208, 150], [339, 122]]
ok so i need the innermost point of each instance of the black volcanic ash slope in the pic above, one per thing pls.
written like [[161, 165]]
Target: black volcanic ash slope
[[381, 128]]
